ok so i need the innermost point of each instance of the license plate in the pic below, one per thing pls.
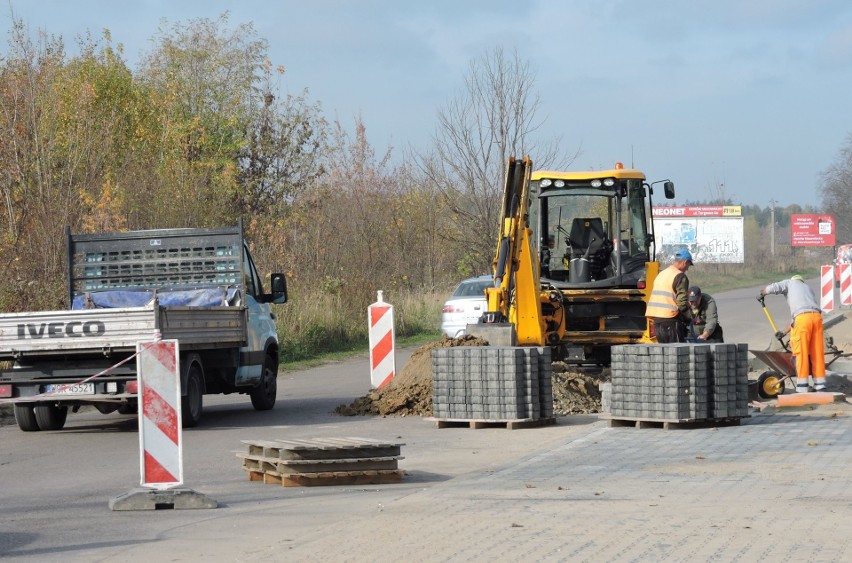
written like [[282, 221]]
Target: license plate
[[71, 389]]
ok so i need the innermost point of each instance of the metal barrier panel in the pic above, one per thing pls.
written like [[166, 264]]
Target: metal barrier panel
[[382, 357], [827, 289], [160, 436]]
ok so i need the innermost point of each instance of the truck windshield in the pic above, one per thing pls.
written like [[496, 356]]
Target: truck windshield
[[603, 230]]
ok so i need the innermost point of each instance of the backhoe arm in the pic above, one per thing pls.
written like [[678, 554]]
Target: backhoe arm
[[517, 278]]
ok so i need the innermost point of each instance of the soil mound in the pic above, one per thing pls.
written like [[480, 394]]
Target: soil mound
[[577, 390], [410, 391]]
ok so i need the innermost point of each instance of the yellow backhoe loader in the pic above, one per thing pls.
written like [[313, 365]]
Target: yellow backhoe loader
[[575, 260]]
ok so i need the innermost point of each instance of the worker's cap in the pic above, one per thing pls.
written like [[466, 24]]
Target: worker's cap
[[798, 277], [683, 254], [694, 294]]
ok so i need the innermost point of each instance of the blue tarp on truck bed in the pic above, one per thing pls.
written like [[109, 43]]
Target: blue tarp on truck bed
[[208, 297]]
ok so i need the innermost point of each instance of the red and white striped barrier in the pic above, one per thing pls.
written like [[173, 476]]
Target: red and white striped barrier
[[382, 358], [160, 436], [826, 302], [845, 273]]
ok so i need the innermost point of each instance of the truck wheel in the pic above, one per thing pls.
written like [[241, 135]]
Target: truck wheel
[[192, 403], [50, 417], [25, 417], [263, 396]]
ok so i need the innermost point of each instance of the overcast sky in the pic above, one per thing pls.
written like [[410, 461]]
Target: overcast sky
[[750, 97]]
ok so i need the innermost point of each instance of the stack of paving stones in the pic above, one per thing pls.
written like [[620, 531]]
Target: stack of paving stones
[[322, 461], [679, 382], [499, 383]]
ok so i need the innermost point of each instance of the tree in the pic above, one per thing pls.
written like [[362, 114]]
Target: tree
[[68, 128], [282, 155], [203, 75], [494, 118], [836, 192]]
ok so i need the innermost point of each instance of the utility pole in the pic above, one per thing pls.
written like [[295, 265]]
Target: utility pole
[[772, 203]]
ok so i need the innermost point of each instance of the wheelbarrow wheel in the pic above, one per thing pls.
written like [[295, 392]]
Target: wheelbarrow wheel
[[769, 385]]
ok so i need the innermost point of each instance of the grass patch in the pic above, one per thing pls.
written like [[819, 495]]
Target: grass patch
[[319, 359]]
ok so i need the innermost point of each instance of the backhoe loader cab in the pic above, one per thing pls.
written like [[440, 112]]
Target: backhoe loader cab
[[593, 229]]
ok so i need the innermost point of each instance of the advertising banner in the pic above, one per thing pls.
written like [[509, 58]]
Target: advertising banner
[[713, 234], [812, 230]]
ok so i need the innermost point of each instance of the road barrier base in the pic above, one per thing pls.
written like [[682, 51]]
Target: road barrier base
[[178, 498]]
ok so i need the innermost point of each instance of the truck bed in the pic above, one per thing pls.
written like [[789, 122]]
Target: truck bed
[[79, 331]]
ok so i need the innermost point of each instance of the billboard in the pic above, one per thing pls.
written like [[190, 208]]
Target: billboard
[[713, 234], [812, 230]]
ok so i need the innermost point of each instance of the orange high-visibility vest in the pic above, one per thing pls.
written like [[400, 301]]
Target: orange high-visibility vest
[[663, 304]]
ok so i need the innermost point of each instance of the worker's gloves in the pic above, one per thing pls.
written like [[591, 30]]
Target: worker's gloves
[[779, 335]]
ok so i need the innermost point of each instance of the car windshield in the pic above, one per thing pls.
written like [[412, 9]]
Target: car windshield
[[472, 288]]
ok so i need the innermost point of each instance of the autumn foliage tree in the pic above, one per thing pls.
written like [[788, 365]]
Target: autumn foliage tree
[[836, 192]]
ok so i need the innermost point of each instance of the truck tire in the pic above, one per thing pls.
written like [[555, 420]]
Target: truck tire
[[50, 417], [25, 417], [264, 394], [193, 402]]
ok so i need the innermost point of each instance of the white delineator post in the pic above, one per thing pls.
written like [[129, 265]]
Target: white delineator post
[[827, 289], [160, 436], [845, 283], [382, 358]]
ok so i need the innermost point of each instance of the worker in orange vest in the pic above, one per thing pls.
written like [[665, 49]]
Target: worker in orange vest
[[668, 307]]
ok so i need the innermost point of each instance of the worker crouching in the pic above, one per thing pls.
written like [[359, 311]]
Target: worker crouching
[[705, 316]]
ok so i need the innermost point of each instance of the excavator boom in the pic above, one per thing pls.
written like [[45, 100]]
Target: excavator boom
[[517, 277]]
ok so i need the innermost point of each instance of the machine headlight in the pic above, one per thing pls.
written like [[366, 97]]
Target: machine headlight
[[559, 183], [545, 183], [609, 182], [596, 183]]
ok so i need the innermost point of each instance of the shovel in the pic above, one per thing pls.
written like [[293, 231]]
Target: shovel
[[772, 323]]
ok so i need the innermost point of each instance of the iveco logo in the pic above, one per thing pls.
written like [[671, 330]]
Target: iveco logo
[[61, 330]]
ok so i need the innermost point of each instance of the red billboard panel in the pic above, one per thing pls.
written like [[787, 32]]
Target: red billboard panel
[[812, 230]]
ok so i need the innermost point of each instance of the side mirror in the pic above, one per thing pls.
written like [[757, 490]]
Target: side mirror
[[279, 289], [668, 188]]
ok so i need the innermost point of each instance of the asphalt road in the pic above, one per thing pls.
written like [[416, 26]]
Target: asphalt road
[[56, 486]]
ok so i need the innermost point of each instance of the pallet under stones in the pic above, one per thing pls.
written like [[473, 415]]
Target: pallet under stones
[[492, 423], [320, 462], [668, 424]]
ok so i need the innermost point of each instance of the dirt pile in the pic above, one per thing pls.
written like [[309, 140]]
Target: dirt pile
[[410, 391], [577, 390]]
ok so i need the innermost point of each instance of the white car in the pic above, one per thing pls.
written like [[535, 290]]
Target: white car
[[465, 306]]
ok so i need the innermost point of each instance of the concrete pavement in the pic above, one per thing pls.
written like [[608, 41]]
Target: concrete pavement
[[775, 488]]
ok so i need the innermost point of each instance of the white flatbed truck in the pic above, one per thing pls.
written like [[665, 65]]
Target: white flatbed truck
[[199, 286]]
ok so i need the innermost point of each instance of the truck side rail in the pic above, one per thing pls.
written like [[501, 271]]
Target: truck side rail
[[93, 330]]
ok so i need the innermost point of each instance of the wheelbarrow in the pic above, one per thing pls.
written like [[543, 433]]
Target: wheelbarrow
[[782, 365]]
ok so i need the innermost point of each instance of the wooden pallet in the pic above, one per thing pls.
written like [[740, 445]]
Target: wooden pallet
[[346, 478], [322, 461], [322, 448], [492, 423], [667, 424]]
